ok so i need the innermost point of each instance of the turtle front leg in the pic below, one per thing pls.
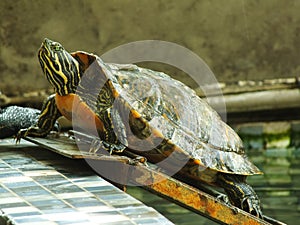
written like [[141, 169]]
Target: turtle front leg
[[240, 193], [46, 121]]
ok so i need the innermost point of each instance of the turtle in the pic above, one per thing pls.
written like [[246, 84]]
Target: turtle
[[147, 112]]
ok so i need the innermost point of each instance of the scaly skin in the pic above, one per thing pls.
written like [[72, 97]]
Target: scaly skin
[[14, 118], [46, 121]]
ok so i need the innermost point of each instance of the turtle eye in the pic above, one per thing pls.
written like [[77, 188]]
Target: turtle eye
[[56, 47]]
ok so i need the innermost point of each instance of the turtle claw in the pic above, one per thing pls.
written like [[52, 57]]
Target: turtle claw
[[224, 198], [251, 204], [21, 134], [138, 160], [98, 144]]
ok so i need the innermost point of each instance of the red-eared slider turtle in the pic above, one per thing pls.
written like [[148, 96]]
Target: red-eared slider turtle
[[134, 107]]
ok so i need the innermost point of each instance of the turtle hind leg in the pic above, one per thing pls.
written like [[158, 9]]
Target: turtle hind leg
[[240, 193]]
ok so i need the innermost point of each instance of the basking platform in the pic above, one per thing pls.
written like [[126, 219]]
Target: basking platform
[[47, 187], [43, 188]]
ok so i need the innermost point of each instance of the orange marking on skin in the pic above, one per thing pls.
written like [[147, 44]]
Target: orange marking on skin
[[197, 161], [135, 114], [73, 108], [115, 93], [84, 58], [165, 116]]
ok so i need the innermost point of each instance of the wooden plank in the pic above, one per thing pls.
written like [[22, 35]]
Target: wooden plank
[[64, 144], [159, 183]]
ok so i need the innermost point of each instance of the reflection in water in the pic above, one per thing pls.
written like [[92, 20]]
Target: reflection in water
[[275, 149], [279, 187]]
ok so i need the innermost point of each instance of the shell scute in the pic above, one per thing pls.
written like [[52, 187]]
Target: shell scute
[[177, 117]]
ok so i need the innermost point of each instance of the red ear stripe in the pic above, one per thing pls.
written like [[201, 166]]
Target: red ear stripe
[[84, 59]]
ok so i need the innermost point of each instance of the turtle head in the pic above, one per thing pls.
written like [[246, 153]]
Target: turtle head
[[60, 68]]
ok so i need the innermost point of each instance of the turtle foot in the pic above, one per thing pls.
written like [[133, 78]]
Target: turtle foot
[[31, 131], [224, 198], [136, 159], [21, 134], [101, 147], [251, 204]]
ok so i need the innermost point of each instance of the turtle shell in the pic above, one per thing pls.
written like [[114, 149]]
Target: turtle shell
[[171, 115]]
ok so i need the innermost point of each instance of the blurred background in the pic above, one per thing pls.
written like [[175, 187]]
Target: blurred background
[[241, 41]]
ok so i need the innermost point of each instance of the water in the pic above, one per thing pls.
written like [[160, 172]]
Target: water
[[275, 149]]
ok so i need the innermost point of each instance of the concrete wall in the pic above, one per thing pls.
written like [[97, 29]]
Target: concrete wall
[[238, 39]]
